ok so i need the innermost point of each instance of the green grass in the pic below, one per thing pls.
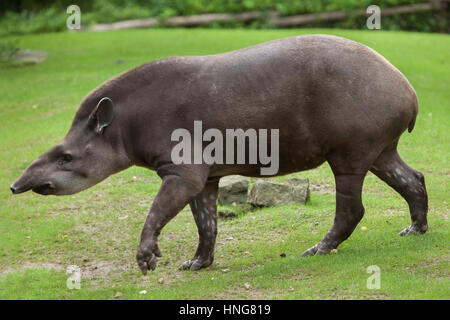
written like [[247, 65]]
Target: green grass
[[99, 229]]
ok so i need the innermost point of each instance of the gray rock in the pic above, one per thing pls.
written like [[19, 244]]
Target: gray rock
[[268, 194], [233, 189], [30, 56], [300, 190]]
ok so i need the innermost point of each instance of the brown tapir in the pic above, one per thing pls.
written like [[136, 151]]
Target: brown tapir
[[331, 99]]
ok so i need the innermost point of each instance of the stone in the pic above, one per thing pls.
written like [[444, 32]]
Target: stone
[[30, 56], [233, 189], [268, 194], [301, 191]]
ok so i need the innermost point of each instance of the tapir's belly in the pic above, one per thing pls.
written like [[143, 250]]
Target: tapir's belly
[[294, 155], [296, 165]]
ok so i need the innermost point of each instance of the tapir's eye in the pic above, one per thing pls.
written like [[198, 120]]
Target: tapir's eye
[[67, 157]]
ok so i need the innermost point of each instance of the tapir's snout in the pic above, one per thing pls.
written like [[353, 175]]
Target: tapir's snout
[[24, 185], [33, 179], [17, 188]]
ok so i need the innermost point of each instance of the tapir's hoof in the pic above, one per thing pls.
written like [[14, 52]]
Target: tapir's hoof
[[413, 229], [147, 261], [194, 265], [310, 252], [316, 250]]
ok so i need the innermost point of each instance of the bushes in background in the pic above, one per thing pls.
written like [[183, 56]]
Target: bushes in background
[[7, 50], [33, 16]]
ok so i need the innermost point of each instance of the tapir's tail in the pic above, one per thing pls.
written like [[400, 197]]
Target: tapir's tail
[[416, 110], [411, 124]]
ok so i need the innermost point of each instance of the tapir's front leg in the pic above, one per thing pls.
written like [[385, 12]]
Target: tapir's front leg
[[176, 192]]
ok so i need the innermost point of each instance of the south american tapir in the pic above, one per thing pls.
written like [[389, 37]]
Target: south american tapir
[[332, 99]]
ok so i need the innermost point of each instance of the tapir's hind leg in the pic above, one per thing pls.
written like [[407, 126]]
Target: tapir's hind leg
[[204, 208], [409, 183], [349, 169], [349, 211]]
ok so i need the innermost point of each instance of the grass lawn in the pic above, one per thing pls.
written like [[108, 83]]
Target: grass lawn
[[99, 229]]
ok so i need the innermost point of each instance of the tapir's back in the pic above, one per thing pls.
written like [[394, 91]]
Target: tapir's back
[[317, 85]]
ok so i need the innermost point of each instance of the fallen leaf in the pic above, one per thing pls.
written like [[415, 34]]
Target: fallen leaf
[[334, 251], [161, 280], [118, 294]]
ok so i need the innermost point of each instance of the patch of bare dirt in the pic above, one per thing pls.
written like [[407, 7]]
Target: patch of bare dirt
[[324, 188], [100, 269], [92, 270]]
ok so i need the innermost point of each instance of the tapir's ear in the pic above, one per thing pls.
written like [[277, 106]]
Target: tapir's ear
[[103, 114]]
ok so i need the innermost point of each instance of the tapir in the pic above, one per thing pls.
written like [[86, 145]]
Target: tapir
[[332, 99]]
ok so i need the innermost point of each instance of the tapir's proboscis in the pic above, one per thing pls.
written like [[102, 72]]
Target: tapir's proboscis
[[332, 99]]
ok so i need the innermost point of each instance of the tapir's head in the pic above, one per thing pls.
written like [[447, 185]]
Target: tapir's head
[[89, 153]]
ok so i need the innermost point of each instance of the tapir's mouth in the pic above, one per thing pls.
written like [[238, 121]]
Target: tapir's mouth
[[44, 189]]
